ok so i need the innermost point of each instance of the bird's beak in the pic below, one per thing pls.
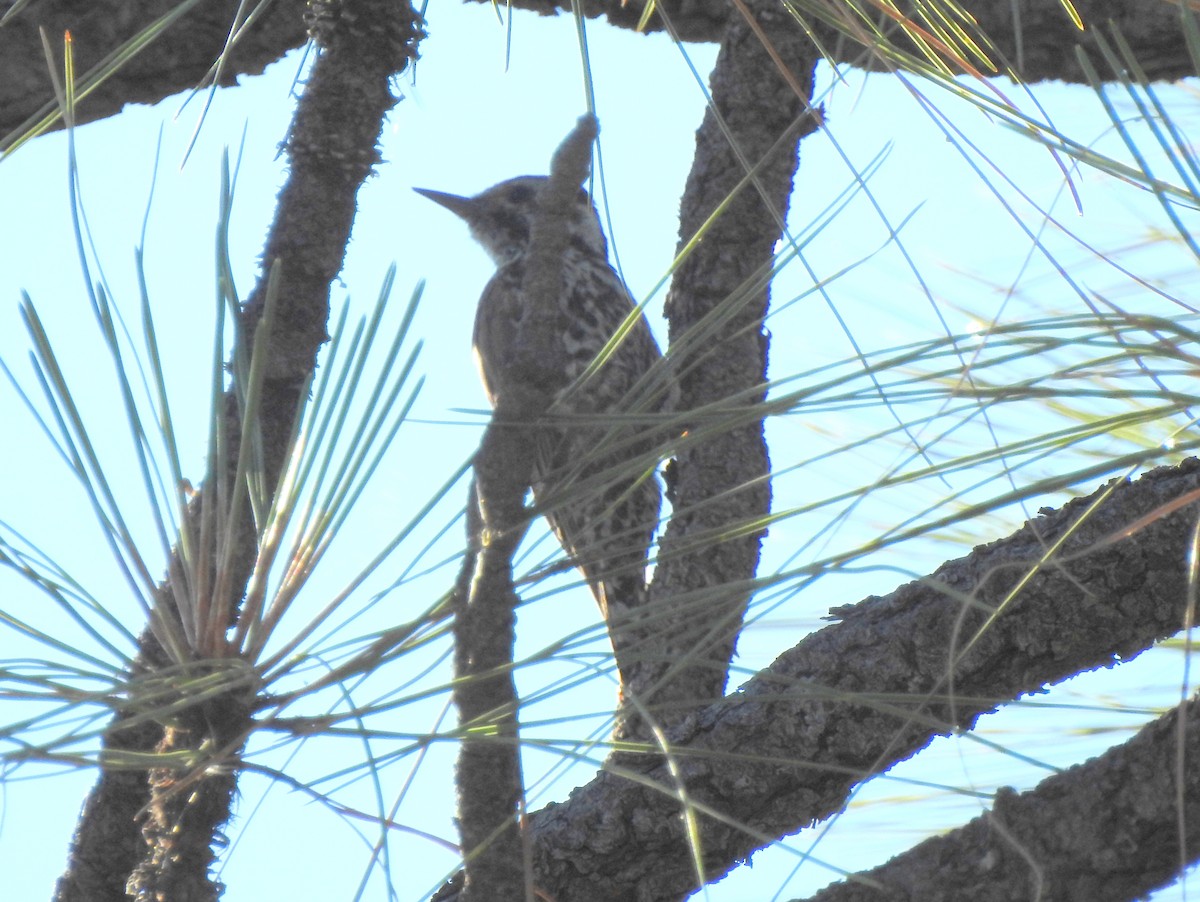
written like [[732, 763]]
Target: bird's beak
[[459, 206]]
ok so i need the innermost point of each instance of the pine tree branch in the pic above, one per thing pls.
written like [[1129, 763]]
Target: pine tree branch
[[1087, 586], [149, 834], [189, 38], [1035, 37], [487, 778], [1072, 837], [746, 157]]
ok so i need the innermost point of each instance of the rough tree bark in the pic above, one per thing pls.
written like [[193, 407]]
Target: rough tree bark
[[929, 659], [1134, 796], [1034, 37], [149, 834], [721, 491]]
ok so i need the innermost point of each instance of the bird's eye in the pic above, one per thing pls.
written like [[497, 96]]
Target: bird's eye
[[582, 197]]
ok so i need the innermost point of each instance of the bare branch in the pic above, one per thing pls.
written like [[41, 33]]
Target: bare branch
[[181, 56], [746, 156], [488, 775], [851, 700], [1035, 38], [1070, 838]]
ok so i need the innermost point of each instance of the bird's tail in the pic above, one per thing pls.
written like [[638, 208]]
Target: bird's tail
[[608, 534]]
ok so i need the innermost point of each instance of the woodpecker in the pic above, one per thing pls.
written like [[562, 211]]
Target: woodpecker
[[594, 478]]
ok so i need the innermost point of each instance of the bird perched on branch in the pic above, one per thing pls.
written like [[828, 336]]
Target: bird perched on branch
[[594, 474]]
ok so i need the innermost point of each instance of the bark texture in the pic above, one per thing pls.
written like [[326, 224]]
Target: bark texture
[[487, 778], [1070, 838], [149, 834], [848, 702], [746, 157], [1037, 39], [180, 58]]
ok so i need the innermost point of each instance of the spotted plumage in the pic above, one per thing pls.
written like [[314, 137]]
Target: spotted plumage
[[594, 474]]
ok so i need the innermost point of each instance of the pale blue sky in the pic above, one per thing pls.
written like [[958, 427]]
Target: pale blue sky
[[464, 124]]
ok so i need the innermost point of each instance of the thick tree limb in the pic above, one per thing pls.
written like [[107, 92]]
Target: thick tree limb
[[155, 829], [487, 777], [1073, 837], [1035, 37], [746, 154], [180, 58], [1087, 586]]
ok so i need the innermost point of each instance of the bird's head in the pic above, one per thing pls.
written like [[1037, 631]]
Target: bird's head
[[501, 218]]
